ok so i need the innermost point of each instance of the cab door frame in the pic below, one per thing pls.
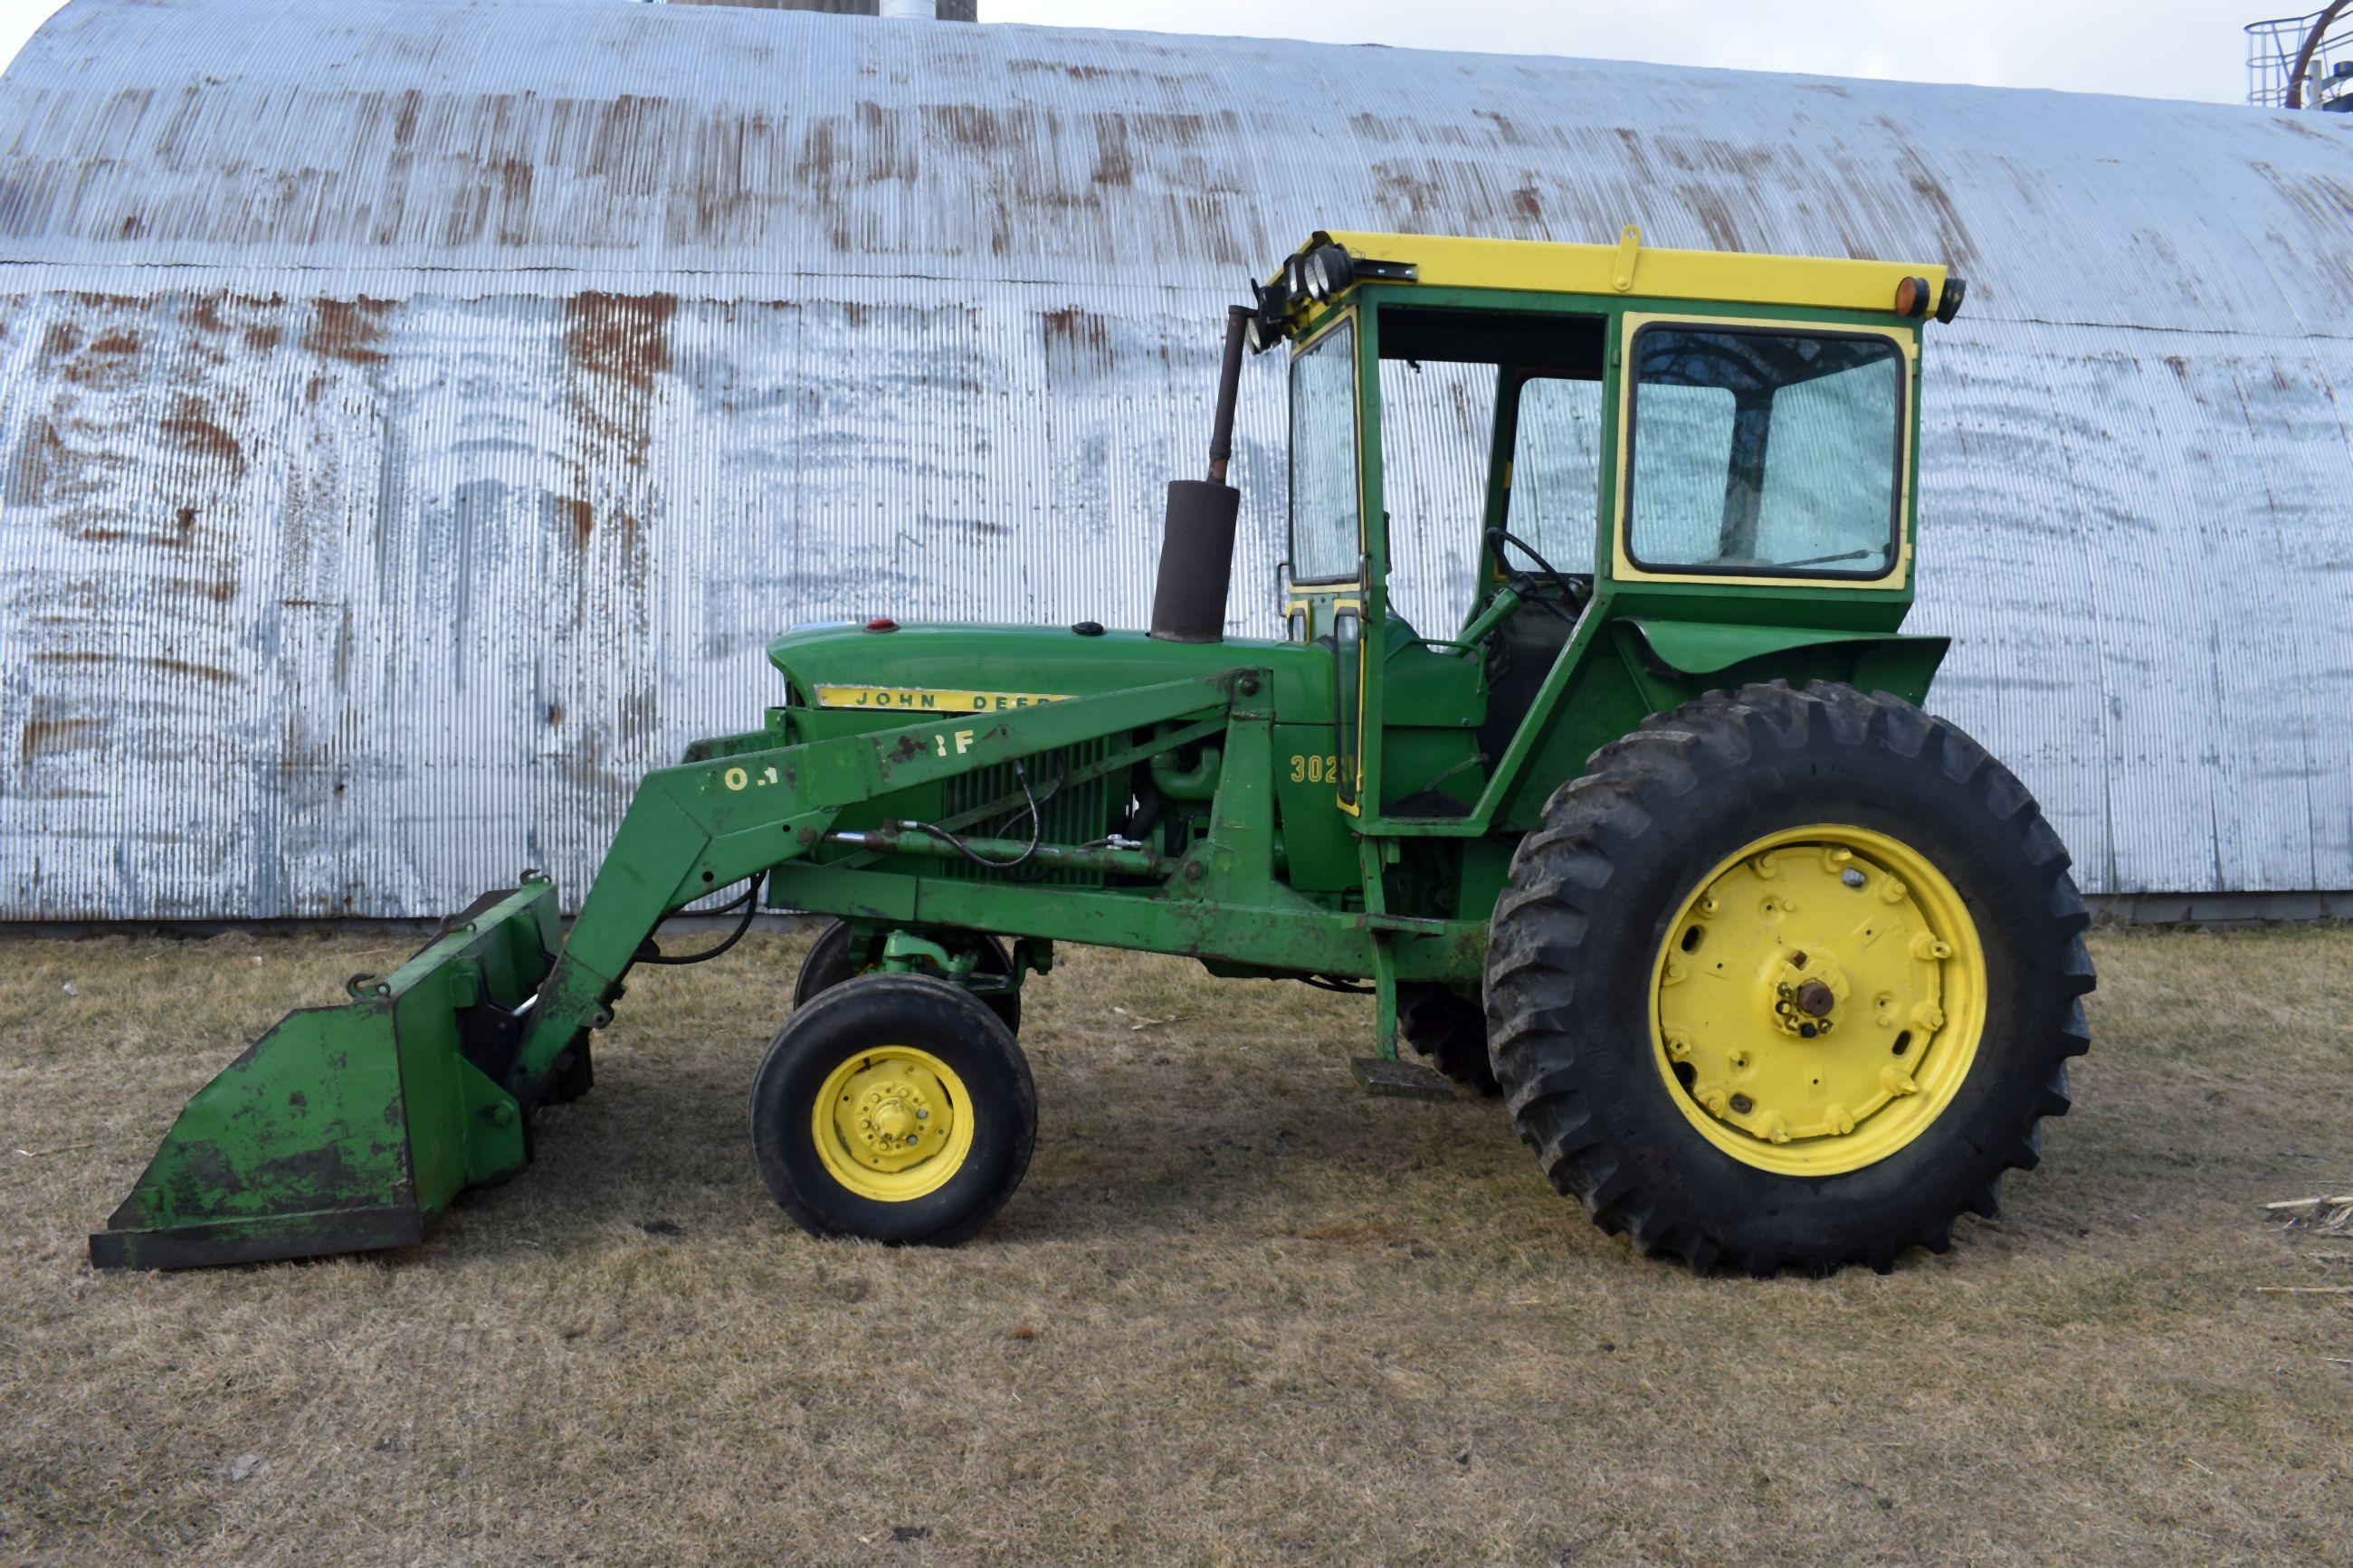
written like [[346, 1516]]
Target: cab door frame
[[1313, 610], [1370, 301]]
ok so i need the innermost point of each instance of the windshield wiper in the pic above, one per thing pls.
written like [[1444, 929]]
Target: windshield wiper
[[1829, 560]]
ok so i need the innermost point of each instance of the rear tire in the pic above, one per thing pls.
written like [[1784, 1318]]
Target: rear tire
[[1451, 1031], [896, 1107], [1613, 905], [829, 964]]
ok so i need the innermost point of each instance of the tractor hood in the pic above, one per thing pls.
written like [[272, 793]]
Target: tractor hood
[[950, 668]]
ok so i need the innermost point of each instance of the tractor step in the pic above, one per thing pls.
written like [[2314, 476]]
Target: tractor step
[[1403, 1080]]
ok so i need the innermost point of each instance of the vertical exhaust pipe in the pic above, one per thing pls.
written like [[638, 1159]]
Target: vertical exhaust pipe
[[1196, 540]]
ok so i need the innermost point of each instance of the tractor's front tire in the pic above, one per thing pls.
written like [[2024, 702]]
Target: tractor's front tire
[[1787, 978], [896, 1107], [830, 962], [1451, 1031]]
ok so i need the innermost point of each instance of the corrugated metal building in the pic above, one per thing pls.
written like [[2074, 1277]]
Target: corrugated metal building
[[415, 415]]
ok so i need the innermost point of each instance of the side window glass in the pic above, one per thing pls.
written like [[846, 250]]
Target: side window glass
[[1758, 451], [1823, 485], [1436, 421], [1679, 468], [1323, 477], [1557, 470]]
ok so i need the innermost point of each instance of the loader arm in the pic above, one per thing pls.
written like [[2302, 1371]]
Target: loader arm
[[350, 1127], [704, 825]]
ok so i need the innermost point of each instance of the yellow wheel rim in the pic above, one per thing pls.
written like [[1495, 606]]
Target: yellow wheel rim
[[1818, 1000], [892, 1123]]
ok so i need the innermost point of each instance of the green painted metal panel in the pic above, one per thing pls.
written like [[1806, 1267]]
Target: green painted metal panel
[[1704, 648]]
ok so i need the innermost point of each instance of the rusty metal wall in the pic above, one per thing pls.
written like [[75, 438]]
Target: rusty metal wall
[[415, 416]]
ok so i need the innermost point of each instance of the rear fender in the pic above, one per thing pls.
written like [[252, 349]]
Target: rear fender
[[1674, 661]]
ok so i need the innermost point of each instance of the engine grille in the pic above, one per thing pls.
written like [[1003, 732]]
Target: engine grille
[[1076, 814]]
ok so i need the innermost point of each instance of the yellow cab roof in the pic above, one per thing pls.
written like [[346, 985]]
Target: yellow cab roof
[[1631, 268]]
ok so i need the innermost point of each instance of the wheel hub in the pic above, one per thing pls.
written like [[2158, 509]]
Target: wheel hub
[[1802, 998], [891, 1110], [1807, 988]]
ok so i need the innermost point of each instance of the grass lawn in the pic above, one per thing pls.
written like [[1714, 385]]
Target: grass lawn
[[1241, 1312]]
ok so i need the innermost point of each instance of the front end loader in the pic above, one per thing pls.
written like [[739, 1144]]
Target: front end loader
[[1770, 966]]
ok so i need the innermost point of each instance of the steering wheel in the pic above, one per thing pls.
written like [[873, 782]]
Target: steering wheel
[[1571, 591]]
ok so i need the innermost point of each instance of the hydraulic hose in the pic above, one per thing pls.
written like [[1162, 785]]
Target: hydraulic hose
[[751, 903]]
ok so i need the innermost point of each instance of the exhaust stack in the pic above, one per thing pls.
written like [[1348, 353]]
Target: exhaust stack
[[1197, 543]]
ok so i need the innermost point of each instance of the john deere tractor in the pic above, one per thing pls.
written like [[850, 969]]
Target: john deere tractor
[[1768, 965]]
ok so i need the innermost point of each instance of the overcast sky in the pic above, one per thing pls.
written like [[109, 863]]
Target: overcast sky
[[2151, 49], [2155, 48]]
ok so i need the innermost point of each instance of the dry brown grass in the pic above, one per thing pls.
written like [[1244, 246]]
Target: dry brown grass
[[1239, 1313]]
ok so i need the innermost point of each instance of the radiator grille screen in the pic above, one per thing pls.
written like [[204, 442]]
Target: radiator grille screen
[[1076, 813]]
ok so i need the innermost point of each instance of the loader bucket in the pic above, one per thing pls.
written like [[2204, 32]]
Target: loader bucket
[[350, 1128]]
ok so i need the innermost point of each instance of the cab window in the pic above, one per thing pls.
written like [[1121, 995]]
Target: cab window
[[1557, 470], [1323, 465], [1755, 450], [1437, 418]]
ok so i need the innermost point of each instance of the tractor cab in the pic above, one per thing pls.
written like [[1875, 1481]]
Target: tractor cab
[[1663, 464]]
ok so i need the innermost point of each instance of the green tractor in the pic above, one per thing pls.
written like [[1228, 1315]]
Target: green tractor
[[1770, 967]]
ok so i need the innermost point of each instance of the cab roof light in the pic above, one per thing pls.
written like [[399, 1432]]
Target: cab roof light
[[1328, 273], [1948, 304], [1318, 275]]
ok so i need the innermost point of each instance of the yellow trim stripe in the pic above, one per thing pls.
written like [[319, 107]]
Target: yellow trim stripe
[[930, 699]]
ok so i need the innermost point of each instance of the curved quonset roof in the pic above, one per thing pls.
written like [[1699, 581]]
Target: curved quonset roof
[[416, 416]]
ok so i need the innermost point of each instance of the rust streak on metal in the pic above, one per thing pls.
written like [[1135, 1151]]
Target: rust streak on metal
[[43, 737], [192, 427], [352, 330], [624, 336]]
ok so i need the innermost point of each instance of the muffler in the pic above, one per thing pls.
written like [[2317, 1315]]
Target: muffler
[[1197, 541]]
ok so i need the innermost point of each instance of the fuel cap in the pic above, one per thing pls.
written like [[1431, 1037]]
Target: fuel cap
[[1088, 628]]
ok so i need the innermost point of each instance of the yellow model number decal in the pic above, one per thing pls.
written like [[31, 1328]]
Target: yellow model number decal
[[1314, 770], [930, 699]]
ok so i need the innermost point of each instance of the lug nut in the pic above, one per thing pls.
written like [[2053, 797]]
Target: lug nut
[[1927, 946]]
